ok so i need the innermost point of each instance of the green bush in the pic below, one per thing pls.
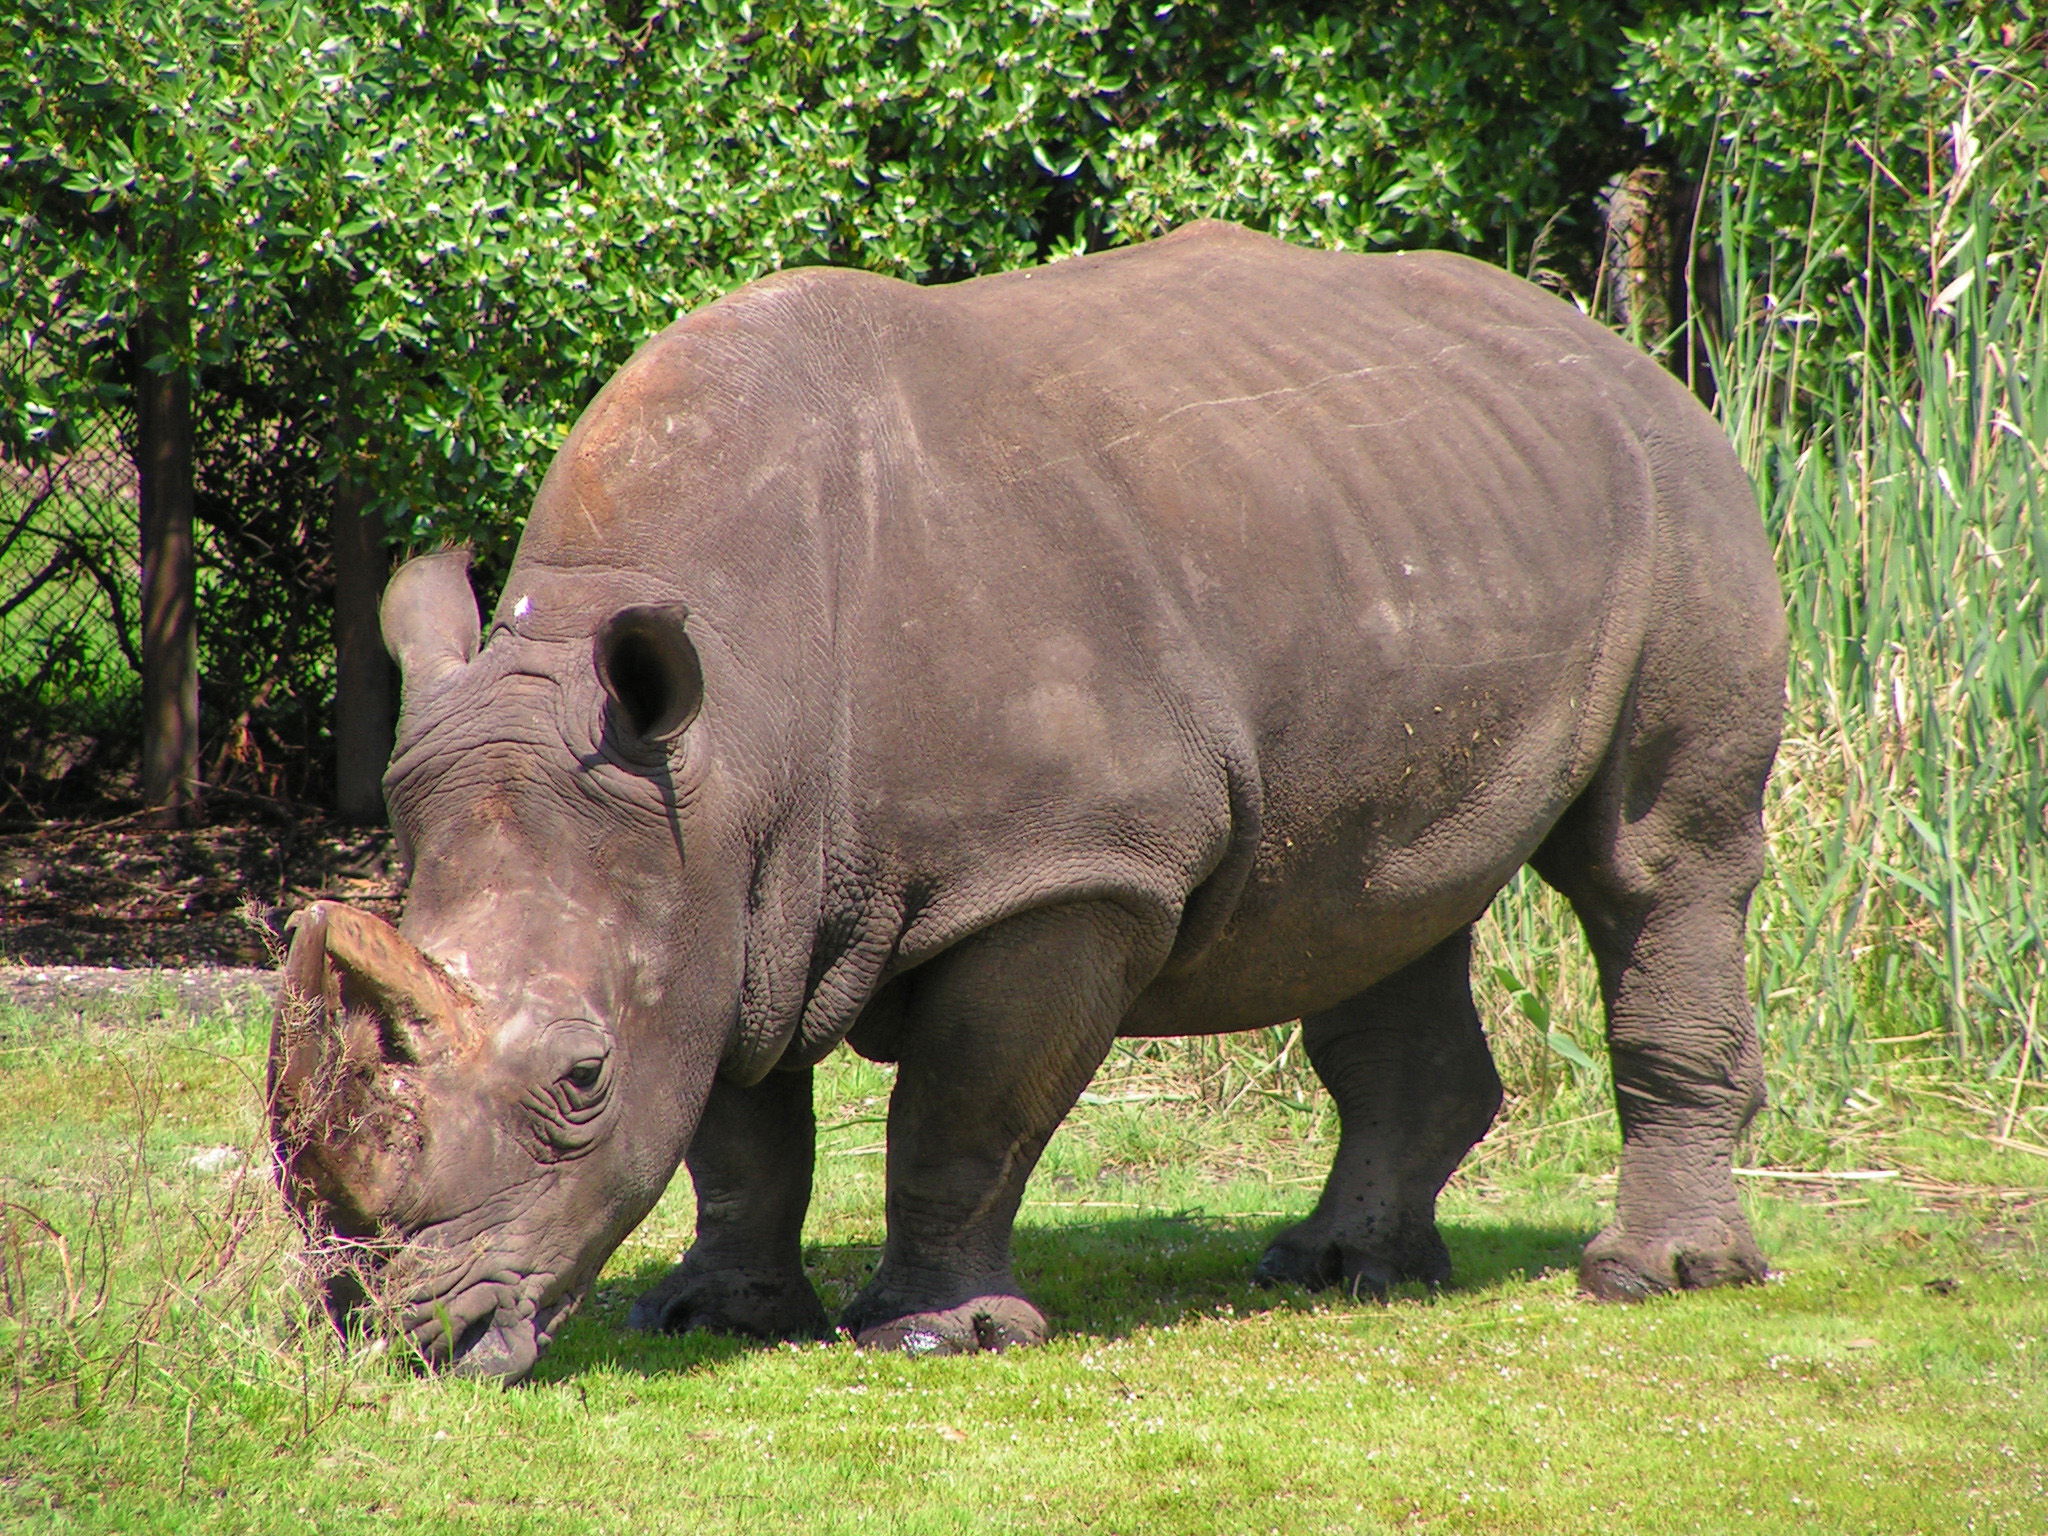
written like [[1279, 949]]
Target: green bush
[[1863, 166], [412, 239], [415, 238], [451, 223]]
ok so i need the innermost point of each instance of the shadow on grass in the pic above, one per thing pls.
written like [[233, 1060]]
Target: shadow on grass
[[1095, 1279]]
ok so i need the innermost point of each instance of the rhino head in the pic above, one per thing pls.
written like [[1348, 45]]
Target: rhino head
[[474, 1108]]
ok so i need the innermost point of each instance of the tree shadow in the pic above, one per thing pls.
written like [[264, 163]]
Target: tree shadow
[[1100, 1280]]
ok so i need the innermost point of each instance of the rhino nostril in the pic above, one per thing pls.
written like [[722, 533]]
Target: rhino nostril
[[471, 1336], [345, 1295]]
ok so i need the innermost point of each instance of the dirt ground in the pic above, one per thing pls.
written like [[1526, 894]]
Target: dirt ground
[[88, 907]]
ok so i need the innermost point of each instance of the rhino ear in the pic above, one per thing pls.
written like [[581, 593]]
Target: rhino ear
[[429, 616], [649, 668]]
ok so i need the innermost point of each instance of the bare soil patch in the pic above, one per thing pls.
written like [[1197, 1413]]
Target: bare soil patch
[[91, 907]]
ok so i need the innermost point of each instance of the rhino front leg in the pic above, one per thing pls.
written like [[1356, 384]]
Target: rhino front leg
[[750, 1163], [1415, 1087], [1000, 1036]]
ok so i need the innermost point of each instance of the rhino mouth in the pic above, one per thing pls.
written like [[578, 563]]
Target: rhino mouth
[[493, 1328], [508, 1346], [496, 1325]]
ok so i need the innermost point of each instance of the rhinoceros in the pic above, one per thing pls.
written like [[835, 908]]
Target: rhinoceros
[[1183, 639]]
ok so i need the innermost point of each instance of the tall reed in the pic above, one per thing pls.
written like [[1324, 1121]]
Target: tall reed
[[1904, 475]]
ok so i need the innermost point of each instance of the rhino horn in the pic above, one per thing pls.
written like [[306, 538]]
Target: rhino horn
[[423, 1010], [391, 1002], [356, 996], [356, 1000], [308, 1001]]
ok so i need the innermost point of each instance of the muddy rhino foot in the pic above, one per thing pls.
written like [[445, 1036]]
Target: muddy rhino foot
[[984, 1324], [1618, 1268], [1317, 1256], [746, 1302]]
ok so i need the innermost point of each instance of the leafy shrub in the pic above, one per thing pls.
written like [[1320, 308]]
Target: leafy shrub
[[464, 218], [1864, 164]]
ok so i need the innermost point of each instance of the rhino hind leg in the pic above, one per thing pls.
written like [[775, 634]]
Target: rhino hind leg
[[1000, 1035], [1688, 1079], [1409, 1067], [750, 1164], [1659, 860]]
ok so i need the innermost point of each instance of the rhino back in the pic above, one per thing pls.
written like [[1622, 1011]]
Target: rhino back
[[1299, 592]]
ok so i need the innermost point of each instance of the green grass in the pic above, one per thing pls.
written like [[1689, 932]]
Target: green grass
[[155, 1373]]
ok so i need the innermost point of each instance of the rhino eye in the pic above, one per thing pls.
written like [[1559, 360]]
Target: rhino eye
[[580, 1091], [569, 1095], [570, 1110]]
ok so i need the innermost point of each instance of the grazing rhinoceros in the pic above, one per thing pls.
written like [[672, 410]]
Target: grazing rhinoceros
[[1172, 641]]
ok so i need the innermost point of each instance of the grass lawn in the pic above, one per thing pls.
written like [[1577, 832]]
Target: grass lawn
[[1894, 1378]]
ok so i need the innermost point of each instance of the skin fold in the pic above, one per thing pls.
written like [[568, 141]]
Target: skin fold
[[1180, 640]]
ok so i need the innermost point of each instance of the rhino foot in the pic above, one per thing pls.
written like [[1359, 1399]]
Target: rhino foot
[[1317, 1258], [1615, 1268], [745, 1302], [986, 1324]]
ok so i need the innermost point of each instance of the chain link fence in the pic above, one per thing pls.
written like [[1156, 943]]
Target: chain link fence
[[70, 676]]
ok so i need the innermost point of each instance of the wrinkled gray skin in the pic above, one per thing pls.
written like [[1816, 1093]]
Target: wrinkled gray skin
[[1174, 641]]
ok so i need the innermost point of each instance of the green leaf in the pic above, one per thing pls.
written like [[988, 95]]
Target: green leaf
[[1565, 1046]]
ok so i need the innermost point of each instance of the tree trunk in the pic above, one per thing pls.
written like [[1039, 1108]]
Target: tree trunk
[[1662, 289], [170, 645], [362, 687]]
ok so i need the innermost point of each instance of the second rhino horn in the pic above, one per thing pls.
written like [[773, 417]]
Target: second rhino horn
[[371, 968]]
